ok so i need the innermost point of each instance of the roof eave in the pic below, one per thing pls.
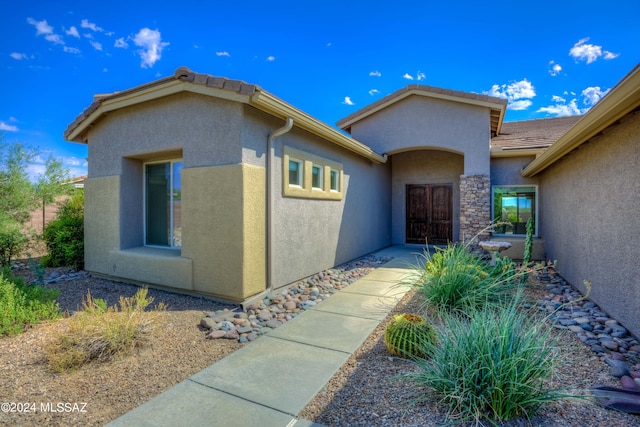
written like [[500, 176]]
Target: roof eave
[[623, 98], [497, 107], [275, 106], [499, 152], [164, 88]]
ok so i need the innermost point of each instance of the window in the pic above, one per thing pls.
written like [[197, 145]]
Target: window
[[310, 176], [295, 172], [316, 177], [514, 204], [163, 204], [334, 181]]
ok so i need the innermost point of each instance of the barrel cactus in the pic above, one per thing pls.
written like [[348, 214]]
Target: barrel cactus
[[406, 334]]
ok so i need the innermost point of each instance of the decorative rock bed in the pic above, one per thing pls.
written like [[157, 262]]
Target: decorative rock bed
[[286, 303], [604, 335]]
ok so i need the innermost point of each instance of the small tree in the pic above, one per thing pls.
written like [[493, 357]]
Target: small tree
[[19, 196]]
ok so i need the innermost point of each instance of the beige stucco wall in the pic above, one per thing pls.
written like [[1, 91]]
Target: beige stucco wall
[[223, 229], [591, 223], [310, 235], [423, 167], [223, 148], [418, 122]]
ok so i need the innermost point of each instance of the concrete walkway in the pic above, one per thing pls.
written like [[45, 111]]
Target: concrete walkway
[[270, 381]]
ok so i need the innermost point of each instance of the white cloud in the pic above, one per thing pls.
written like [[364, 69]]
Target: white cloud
[[562, 109], [556, 98], [375, 73], [421, 76], [592, 95], [88, 36], [7, 127], [610, 55], [73, 31], [348, 101], [583, 51], [520, 105], [90, 25], [271, 58], [121, 43], [96, 45], [373, 92], [151, 43], [225, 53], [18, 56], [42, 28], [554, 69], [71, 49], [407, 76], [512, 92]]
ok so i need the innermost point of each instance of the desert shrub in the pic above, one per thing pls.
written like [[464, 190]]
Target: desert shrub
[[23, 305], [406, 334], [455, 280], [490, 365], [100, 333], [64, 236], [13, 241]]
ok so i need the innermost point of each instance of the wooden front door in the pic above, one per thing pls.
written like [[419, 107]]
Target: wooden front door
[[429, 212]]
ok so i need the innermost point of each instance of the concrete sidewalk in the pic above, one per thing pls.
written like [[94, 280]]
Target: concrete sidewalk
[[270, 381]]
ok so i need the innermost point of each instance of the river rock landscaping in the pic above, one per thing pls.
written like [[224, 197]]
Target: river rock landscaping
[[285, 304]]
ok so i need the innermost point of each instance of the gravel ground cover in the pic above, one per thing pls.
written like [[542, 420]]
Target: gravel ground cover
[[362, 393], [366, 392]]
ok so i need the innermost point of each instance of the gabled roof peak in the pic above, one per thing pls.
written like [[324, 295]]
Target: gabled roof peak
[[497, 105]]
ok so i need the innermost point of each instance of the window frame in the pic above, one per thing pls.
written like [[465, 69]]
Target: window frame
[[536, 193], [320, 180], [337, 175], [300, 173], [170, 236], [307, 190]]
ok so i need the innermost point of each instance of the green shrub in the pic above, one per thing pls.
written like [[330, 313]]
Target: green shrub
[[99, 333], [23, 305], [406, 334], [455, 280], [13, 241], [64, 236], [491, 365]]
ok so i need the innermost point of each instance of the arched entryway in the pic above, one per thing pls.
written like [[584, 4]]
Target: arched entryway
[[425, 186]]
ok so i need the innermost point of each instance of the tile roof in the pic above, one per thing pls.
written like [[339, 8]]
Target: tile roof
[[532, 134], [183, 74]]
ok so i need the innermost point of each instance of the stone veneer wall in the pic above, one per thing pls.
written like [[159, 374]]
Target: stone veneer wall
[[475, 207]]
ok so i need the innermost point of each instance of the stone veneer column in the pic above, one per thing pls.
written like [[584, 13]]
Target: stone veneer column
[[475, 207]]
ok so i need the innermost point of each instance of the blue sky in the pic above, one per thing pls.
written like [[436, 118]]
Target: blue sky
[[327, 58]]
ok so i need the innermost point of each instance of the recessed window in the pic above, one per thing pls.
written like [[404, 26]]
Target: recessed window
[[514, 205], [163, 204], [309, 176], [334, 180], [316, 177], [295, 172]]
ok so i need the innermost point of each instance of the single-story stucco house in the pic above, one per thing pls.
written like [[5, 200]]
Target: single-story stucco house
[[217, 187]]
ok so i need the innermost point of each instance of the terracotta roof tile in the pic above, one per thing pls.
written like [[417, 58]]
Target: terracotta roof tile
[[182, 73], [540, 133]]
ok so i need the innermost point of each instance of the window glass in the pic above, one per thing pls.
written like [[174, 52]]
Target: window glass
[[163, 204], [335, 180], [316, 177], [295, 172], [514, 205]]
